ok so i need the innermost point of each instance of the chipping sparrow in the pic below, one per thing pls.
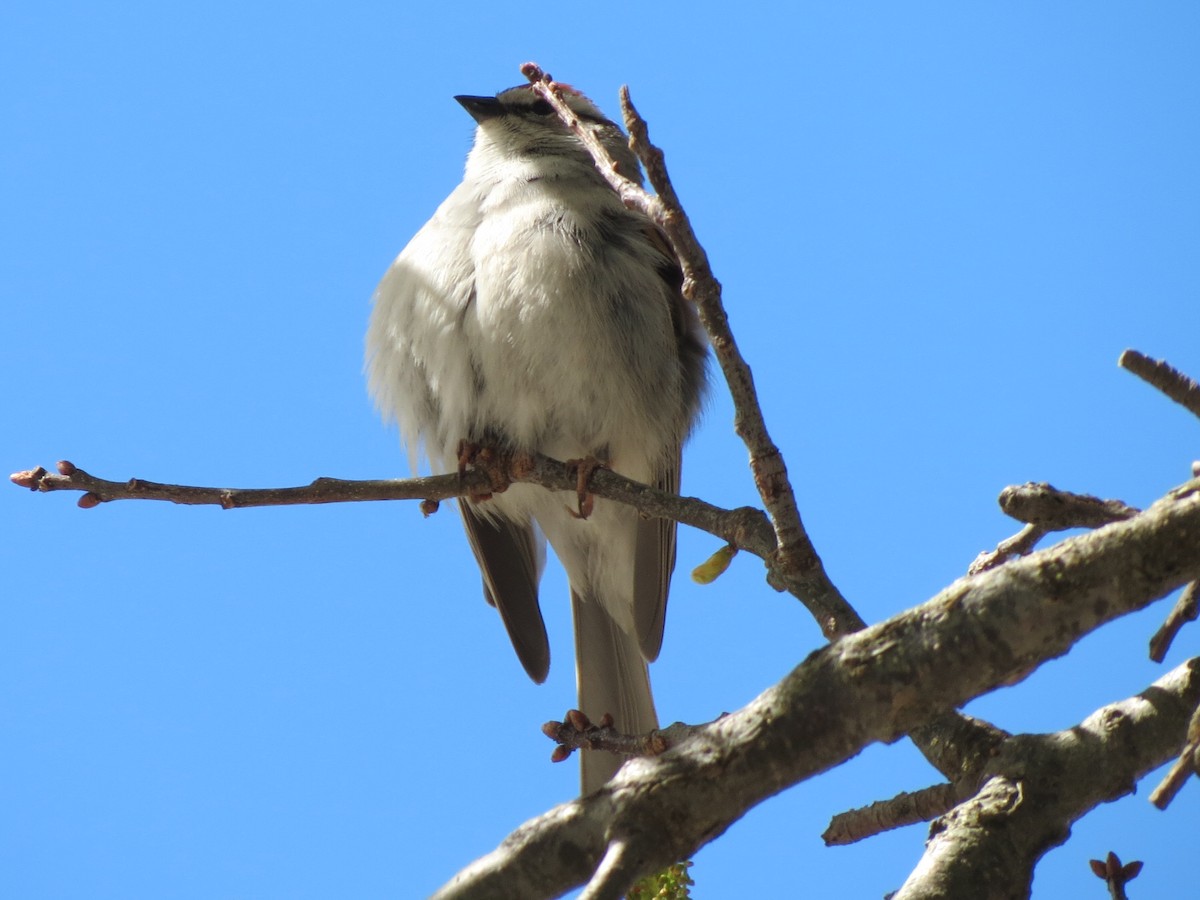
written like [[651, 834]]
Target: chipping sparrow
[[534, 312]]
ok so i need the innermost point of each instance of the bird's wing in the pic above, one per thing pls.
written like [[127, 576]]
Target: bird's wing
[[653, 563], [655, 556], [509, 556]]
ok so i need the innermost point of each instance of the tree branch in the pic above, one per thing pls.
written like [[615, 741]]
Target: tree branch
[[744, 527], [577, 732], [1020, 544], [977, 634], [1041, 504], [1045, 509], [795, 566], [322, 490], [1158, 373], [1038, 785], [906, 808], [1187, 764], [1185, 610], [1115, 875], [969, 746]]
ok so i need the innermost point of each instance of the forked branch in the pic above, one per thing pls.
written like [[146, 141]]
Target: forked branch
[[979, 633]]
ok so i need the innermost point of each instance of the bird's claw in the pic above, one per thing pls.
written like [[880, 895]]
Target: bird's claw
[[583, 474], [492, 462]]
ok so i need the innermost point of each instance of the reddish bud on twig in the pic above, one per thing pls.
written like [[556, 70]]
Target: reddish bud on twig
[[578, 720], [533, 72], [1117, 875], [28, 479]]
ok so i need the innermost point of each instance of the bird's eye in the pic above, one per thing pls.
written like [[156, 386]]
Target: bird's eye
[[541, 108]]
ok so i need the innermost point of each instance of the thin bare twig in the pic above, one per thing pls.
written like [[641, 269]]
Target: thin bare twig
[[1020, 544], [971, 745], [1038, 503], [906, 808], [1186, 765], [1046, 509], [745, 527], [617, 870], [795, 567], [1160, 374], [577, 732], [797, 557], [1114, 874], [323, 490], [1185, 610]]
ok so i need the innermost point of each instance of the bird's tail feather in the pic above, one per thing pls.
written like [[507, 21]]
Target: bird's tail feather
[[612, 678]]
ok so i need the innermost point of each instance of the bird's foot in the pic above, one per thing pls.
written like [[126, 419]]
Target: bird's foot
[[493, 462], [583, 474]]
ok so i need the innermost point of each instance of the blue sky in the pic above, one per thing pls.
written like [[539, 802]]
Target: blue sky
[[937, 227]]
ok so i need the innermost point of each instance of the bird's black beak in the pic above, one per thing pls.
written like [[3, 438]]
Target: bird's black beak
[[481, 108]]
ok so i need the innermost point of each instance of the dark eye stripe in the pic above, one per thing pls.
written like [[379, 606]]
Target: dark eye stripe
[[543, 108]]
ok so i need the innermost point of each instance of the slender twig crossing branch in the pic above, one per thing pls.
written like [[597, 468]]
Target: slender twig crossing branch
[[795, 566]]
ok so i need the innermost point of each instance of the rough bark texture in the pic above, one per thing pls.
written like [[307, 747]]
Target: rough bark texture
[[981, 632], [1039, 784]]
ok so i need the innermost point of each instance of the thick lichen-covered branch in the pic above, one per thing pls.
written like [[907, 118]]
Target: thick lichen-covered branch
[[874, 685]]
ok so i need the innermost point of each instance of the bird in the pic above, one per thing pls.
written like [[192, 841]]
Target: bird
[[535, 313]]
